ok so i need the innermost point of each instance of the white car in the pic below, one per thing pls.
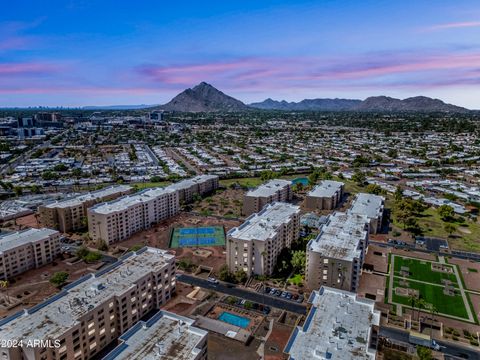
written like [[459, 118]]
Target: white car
[[212, 280]]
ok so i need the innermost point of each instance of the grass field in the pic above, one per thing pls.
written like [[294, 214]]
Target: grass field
[[433, 294], [422, 270], [197, 236], [429, 285]]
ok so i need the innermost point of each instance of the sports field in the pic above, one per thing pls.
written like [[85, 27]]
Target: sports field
[[197, 236], [425, 280]]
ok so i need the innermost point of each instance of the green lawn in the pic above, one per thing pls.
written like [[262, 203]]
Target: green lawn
[[433, 294], [249, 182], [422, 270], [296, 279]]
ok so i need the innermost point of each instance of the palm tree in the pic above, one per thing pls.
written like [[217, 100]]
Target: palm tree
[[413, 303]]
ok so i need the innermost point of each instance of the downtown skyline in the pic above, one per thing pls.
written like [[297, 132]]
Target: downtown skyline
[[71, 53]]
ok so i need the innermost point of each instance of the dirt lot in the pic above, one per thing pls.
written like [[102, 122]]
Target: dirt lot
[[33, 286], [277, 341], [159, 236], [226, 203], [467, 268]]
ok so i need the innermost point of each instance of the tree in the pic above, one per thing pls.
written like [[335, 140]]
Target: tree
[[92, 257], [225, 275], [240, 276], [398, 196], [446, 212], [359, 177], [298, 260], [449, 229], [59, 278], [374, 189], [18, 190], [424, 353], [102, 245]]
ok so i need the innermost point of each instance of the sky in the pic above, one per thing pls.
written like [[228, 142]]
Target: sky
[[106, 52]]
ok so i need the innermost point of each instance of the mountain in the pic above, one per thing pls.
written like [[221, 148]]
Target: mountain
[[308, 104], [417, 103], [374, 103], [204, 98]]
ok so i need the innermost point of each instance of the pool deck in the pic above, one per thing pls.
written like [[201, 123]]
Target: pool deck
[[223, 328]]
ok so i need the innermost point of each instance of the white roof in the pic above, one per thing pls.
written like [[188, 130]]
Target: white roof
[[341, 236], [129, 200], [338, 327], [184, 184], [327, 188], [56, 315], [16, 239], [166, 335], [368, 204], [263, 225], [270, 188], [78, 200]]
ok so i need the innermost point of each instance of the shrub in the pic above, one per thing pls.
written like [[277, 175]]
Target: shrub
[[59, 278]]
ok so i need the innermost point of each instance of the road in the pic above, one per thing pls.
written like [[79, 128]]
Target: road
[[453, 350], [245, 294], [456, 254]]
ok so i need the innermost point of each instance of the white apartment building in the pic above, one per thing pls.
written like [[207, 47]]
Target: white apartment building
[[117, 220], [335, 257], [339, 326], [202, 184], [28, 249], [276, 190], [325, 196], [70, 214], [90, 313], [255, 245], [372, 206], [166, 335]]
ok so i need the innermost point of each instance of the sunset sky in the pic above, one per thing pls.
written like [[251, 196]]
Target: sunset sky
[[74, 53]]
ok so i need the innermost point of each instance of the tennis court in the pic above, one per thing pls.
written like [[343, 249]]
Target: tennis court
[[197, 236]]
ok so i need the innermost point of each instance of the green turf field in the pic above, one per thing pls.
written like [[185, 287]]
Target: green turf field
[[429, 285], [433, 294], [422, 270], [197, 236]]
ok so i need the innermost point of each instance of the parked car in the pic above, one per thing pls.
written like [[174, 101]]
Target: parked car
[[278, 293], [212, 280], [273, 291], [300, 299], [289, 296], [284, 294], [267, 290]]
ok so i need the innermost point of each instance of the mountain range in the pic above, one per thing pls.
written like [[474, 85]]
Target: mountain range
[[206, 98]]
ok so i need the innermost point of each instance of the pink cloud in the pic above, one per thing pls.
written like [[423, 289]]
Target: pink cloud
[[28, 68], [454, 25]]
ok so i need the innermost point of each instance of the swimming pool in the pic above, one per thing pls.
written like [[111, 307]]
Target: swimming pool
[[302, 180], [233, 319]]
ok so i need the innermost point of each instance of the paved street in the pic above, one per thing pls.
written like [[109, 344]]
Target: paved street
[[245, 294], [453, 350]]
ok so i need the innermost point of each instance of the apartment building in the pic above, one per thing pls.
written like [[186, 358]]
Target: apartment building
[[27, 249], [118, 220], [276, 190], [95, 310], [201, 185], [335, 257], [166, 335], [255, 245], [339, 326], [325, 196], [372, 206], [70, 214]]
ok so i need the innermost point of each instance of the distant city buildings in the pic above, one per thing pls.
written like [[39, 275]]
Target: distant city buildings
[[372, 206], [255, 245], [117, 220], [272, 191], [325, 196], [164, 336], [95, 310], [338, 326], [28, 249], [335, 257], [71, 214]]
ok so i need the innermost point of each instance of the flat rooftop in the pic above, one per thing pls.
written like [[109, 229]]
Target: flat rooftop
[[338, 327], [129, 200], [327, 188], [263, 225], [368, 204], [193, 181], [61, 312], [269, 188], [166, 335], [13, 240], [94, 195], [341, 236]]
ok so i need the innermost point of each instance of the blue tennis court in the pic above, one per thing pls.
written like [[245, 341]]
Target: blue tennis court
[[197, 236]]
